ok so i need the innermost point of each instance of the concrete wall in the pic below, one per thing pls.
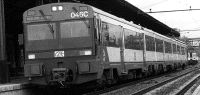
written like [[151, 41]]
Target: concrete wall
[[2, 32], [3, 65]]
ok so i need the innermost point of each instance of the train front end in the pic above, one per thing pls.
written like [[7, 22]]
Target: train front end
[[60, 44]]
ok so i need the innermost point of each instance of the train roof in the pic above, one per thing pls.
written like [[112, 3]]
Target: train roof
[[124, 9], [136, 26], [116, 18]]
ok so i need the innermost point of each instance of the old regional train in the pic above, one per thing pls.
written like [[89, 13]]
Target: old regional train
[[73, 43]]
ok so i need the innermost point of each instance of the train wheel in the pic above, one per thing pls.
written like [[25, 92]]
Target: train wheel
[[101, 83], [160, 69], [175, 66], [132, 74], [149, 73], [139, 74], [111, 82], [179, 65], [169, 68], [69, 76], [153, 70], [183, 66]]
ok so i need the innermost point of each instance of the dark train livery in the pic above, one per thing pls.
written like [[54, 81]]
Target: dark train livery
[[73, 43]]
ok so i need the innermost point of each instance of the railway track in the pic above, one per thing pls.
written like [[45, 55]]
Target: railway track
[[188, 86], [145, 85], [172, 81]]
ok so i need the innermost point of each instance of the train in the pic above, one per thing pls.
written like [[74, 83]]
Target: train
[[74, 43], [192, 58]]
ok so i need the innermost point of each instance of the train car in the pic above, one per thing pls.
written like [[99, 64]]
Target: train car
[[73, 43], [192, 58]]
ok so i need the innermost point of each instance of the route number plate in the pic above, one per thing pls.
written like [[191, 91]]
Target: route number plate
[[59, 54]]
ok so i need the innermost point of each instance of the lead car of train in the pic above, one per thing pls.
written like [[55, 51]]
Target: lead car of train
[[73, 43]]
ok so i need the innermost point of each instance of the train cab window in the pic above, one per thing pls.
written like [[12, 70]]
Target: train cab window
[[159, 45], [41, 32], [150, 43], [133, 40], [111, 35], [174, 49], [168, 47], [76, 28]]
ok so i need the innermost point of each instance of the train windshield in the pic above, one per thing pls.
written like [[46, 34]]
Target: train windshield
[[60, 35], [76, 33], [72, 29], [41, 32]]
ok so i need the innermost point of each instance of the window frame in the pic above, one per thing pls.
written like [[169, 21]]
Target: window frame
[[133, 44], [150, 44], [117, 42], [72, 20], [39, 23], [159, 44], [168, 47]]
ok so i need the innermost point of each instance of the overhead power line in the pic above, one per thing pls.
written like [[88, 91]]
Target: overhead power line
[[173, 11], [190, 30]]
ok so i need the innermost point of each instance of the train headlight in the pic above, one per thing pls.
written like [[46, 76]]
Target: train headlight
[[31, 56], [60, 8], [54, 8], [86, 52]]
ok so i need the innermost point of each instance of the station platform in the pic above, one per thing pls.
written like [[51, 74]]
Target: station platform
[[16, 86]]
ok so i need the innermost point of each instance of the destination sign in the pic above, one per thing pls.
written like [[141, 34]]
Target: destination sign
[[81, 14]]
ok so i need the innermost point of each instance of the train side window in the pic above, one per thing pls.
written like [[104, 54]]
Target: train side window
[[178, 49], [182, 50], [129, 38], [174, 49], [150, 43], [141, 38], [111, 34], [133, 40], [159, 45], [168, 48]]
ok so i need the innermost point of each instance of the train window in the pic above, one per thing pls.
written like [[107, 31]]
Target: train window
[[178, 49], [40, 32], [111, 35], [183, 50], [159, 45], [150, 43], [74, 29], [168, 48], [133, 40], [174, 49]]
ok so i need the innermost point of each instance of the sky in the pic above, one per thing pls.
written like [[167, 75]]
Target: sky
[[184, 20]]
